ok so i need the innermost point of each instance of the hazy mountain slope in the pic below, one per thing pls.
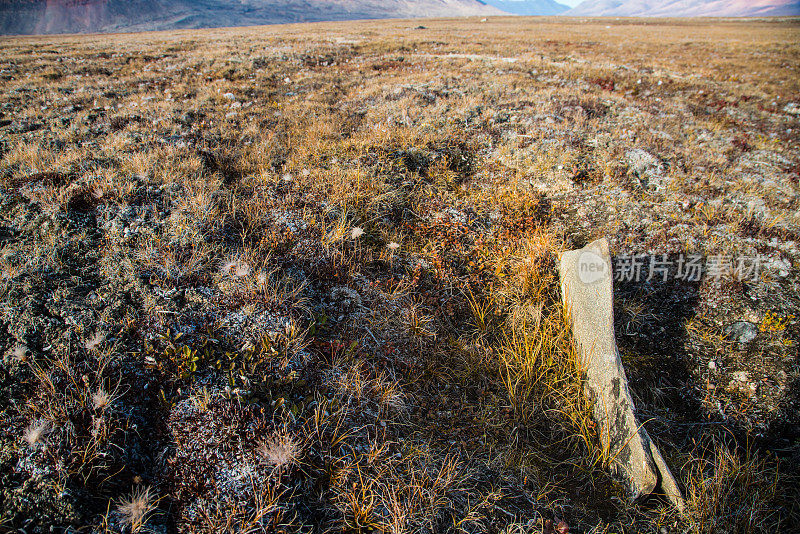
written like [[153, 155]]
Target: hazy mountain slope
[[686, 8], [68, 16], [76, 16], [529, 7], [729, 8]]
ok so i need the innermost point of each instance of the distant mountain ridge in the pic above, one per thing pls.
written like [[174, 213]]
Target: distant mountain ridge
[[686, 8], [80, 16], [529, 7]]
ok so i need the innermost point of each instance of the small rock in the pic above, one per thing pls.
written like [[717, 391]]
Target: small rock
[[741, 332], [781, 267], [647, 168], [792, 108]]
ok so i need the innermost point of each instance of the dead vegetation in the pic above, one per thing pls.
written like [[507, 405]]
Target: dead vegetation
[[302, 278]]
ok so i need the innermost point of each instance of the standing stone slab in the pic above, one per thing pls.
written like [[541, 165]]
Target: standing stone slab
[[587, 293]]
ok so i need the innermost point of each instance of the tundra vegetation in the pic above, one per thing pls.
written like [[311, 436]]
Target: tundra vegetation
[[302, 278]]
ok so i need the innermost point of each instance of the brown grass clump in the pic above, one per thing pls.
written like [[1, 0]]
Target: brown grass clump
[[736, 491]]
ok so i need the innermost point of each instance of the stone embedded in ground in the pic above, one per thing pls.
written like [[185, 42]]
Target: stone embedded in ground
[[586, 289], [792, 108], [741, 376], [741, 332], [647, 168], [666, 481]]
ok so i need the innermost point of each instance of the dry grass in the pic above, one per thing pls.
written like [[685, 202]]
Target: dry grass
[[303, 278], [738, 492]]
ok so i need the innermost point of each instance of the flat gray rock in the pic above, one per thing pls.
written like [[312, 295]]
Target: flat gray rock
[[741, 332], [587, 293]]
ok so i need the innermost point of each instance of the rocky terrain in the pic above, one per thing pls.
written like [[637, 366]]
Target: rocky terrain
[[303, 278]]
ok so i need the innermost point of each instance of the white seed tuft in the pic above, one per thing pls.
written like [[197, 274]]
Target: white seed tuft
[[281, 450], [95, 341], [135, 508], [35, 432], [101, 398]]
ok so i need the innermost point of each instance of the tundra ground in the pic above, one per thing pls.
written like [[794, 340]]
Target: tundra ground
[[302, 278]]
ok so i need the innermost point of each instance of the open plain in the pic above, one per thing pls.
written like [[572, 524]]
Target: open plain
[[303, 278]]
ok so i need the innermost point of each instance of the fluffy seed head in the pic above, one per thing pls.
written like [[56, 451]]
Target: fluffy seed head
[[242, 269], [393, 246], [101, 398], [94, 341], [135, 508], [239, 269], [280, 450], [356, 232], [35, 432], [20, 352]]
